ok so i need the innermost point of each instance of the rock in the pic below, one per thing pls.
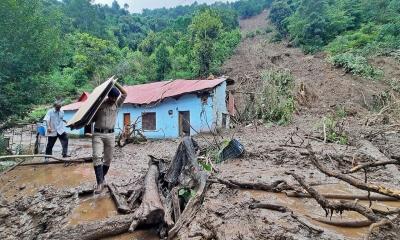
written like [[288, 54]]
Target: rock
[[4, 212], [22, 187]]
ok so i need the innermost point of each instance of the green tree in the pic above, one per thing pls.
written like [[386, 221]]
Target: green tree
[[163, 61], [205, 29], [29, 45]]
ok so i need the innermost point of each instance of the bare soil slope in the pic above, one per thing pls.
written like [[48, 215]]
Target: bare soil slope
[[332, 86]]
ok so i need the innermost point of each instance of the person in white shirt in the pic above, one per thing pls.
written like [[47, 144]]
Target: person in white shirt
[[56, 129]]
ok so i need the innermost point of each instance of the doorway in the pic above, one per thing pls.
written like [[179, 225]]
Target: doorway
[[127, 123], [88, 129], [184, 123]]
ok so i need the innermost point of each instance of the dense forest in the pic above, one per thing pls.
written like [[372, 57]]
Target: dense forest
[[53, 48], [350, 31]]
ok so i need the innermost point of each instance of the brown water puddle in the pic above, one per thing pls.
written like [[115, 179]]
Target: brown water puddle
[[93, 208], [309, 207], [101, 207], [27, 180]]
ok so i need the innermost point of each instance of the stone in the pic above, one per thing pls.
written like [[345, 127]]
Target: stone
[[4, 212]]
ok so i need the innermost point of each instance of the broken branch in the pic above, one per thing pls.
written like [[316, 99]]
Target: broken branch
[[359, 184], [334, 205]]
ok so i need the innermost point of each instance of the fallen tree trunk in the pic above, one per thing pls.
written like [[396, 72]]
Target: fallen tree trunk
[[96, 229], [200, 179], [342, 196], [151, 210], [359, 184], [338, 206], [119, 200]]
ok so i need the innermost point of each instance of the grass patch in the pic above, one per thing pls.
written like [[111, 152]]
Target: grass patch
[[357, 65]]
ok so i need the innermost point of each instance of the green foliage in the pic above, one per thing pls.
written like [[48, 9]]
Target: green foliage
[[2, 146], [350, 30], [334, 131], [275, 102], [29, 44], [186, 194], [55, 48], [205, 29], [280, 10], [37, 114], [357, 65], [163, 61]]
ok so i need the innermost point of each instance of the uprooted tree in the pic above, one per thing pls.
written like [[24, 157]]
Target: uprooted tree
[[157, 202]]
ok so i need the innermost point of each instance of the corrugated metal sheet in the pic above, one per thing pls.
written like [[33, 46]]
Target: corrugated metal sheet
[[154, 92], [89, 107]]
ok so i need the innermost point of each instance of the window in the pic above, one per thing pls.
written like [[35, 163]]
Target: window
[[149, 121]]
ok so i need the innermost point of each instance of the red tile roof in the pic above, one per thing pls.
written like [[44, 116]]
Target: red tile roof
[[157, 91]]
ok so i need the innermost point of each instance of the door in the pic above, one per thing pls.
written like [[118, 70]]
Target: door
[[127, 123], [184, 123]]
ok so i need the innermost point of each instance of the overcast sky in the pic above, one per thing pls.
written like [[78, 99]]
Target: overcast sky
[[138, 5]]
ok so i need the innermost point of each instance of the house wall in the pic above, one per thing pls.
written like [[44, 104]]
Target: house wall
[[167, 126], [203, 116]]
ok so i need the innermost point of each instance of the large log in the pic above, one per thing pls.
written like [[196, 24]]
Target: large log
[[96, 229], [151, 210], [200, 178]]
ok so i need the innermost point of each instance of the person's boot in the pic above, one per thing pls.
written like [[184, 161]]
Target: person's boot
[[98, 170], [105, 171]]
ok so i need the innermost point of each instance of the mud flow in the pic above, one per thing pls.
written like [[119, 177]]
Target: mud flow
[[26, 180], [101, 207], [311, 209]]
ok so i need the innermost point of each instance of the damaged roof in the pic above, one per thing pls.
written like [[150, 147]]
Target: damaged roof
[[157, 91]]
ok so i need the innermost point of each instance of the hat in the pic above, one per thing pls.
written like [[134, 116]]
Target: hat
[[114, 93]]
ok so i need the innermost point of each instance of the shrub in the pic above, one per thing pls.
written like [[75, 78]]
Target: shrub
[[357, 65], [275, 102], [251, 34], [3, 147], [334, 131]]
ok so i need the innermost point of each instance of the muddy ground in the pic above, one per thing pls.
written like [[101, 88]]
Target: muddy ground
[[36, 201]]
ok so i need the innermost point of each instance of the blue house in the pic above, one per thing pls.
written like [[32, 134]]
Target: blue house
[[169, 109]]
